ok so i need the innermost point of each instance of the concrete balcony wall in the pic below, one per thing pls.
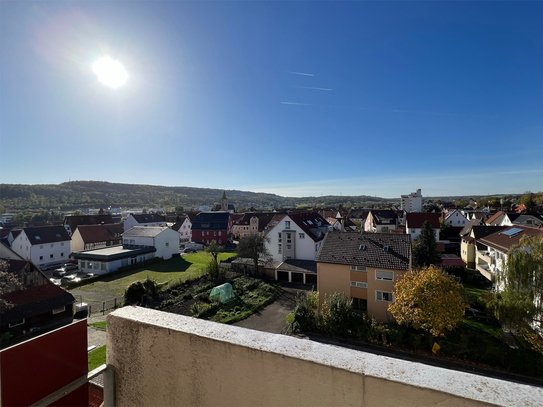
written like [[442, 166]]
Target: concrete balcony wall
[[164, 359]]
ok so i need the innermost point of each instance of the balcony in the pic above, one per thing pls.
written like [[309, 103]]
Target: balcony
[[170, 360]]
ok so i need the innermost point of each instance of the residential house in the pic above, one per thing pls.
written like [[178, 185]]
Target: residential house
[[39, 306], [364, 266], [358, 215], [88, 237], [455, 219], [341, 224], [415, 220], [469, 242], [381, 221], [296, 235], [183, 226], [43, 245], [491, 254], [511, 219], [140, 243], [250, 223], [412, 202], [72, 222], [496, 219], [163, 239], [209, 226], [329, 213], [144, 219]]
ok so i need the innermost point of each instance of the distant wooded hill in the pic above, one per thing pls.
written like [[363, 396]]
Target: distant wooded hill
[[77, 194]]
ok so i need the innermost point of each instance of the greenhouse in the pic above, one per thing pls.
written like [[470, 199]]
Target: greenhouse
[[222, 293]]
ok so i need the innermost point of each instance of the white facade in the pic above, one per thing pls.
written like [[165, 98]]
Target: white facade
[[287, 240], [185, 231], [456, 219], [412, 202], [103, 267], [164, 239], [415, 233], [41, 254]]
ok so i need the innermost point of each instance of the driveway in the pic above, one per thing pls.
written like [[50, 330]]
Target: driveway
[[272, 318]]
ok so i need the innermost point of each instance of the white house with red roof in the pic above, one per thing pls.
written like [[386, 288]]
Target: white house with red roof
[[414, 222], [296, 235]]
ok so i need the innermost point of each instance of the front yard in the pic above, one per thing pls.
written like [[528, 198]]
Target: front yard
[[178, 269]]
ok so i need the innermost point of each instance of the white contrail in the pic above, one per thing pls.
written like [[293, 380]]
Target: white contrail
[[309, 87], [302, 73]]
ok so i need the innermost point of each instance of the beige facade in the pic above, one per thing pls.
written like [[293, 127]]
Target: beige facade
[[246, 230], [373, 293], [467, 248]]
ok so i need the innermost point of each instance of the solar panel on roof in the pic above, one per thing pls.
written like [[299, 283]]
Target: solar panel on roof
[[512, 232]]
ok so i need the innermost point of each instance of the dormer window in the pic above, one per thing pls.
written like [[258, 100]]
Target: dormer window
[[362, 247], [287, 224], [385, 248]]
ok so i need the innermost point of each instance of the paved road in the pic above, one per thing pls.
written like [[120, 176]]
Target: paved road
[[272, 318]]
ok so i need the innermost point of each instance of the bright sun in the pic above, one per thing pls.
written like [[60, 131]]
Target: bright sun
[[110, 72]]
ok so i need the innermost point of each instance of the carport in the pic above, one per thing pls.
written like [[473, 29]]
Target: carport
[[297, 271]]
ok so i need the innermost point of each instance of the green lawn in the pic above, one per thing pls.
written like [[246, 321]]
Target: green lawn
[[179, 268], [97, 357], [101, 325]]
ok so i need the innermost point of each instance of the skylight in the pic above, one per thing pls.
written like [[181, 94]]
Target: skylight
[[512, 232], [38, 238], [58, 235]]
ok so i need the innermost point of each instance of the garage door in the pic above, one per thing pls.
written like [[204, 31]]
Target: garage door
[[282, 275], [298, 278]]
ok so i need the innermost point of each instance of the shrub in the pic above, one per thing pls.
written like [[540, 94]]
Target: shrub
[[134, 292], [339, 319], [305, 315]]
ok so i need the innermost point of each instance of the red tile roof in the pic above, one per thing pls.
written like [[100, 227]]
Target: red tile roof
[[415, 220]]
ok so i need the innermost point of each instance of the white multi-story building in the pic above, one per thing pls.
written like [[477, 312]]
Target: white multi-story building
[[296, 235], [183, 226], [412, 202], [42, 245]]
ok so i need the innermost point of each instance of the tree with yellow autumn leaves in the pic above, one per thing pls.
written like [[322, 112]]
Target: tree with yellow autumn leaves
[[429, 300]]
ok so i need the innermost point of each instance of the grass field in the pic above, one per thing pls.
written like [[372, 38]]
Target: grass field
[[97, 357], [100, 325], [179, 268]]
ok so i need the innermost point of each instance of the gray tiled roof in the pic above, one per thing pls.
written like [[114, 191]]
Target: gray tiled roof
[[144, 231], [300, 266], [345, 248]]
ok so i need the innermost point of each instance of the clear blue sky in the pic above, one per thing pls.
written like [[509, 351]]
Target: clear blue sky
[[295, 98]]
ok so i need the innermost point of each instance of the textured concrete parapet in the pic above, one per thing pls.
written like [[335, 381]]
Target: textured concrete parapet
[[164, 359]]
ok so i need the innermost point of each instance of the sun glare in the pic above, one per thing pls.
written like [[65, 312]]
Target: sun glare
[[110, 72]]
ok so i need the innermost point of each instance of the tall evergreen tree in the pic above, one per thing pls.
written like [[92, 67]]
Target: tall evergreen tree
[[425, 247]]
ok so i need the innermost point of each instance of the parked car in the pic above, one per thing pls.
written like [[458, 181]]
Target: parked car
[[61, 272], [87, 275], [187, 250], [70, 266], [69, 279]]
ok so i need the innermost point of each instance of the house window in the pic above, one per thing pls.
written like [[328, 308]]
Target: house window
[[214, 233], [359, 284], [124, 262], [59, 310], [103, 266], [16, 323], [83, 264], [279, 236], [383, 296], [358, 268], [125, 241], [132, 241], [279, 248], [384, 275], [220, 241], [302, 235], [289, 237], [167, 244], [41, 258], [289, 247], [287, 224], [219, 232], [52, 245], [61, 254], [96, 264], [51, 256], [62, 244]]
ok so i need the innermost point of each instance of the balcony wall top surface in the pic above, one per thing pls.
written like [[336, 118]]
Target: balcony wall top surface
[[460, 384]]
